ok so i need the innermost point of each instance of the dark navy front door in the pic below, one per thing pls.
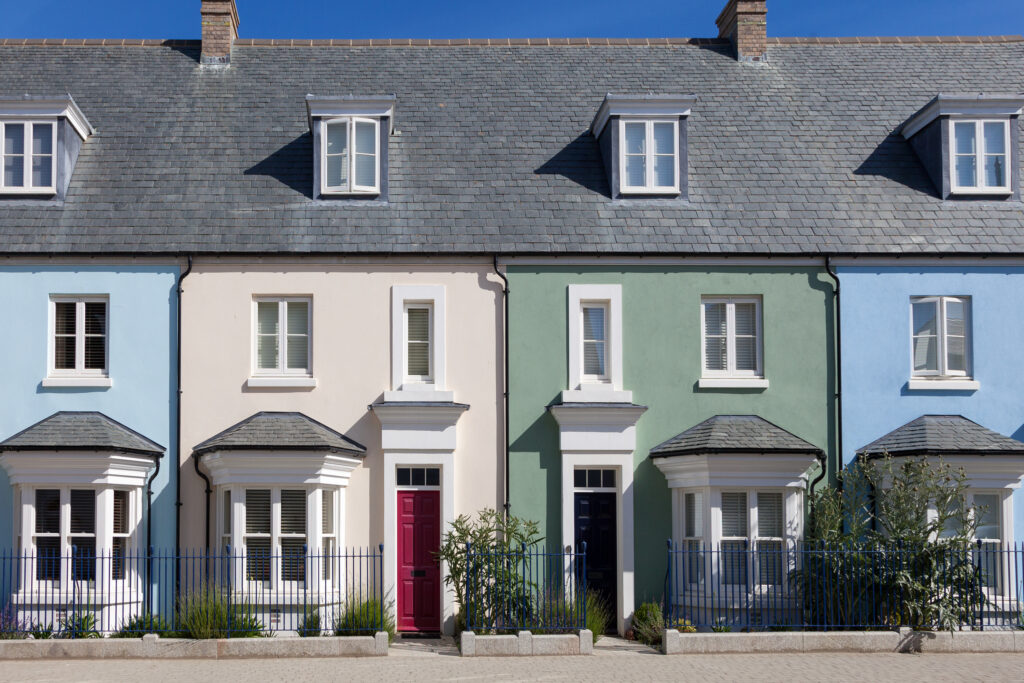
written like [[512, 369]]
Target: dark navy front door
[[595, 524]]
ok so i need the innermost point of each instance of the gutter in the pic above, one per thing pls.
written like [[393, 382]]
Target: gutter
[[505, 437]]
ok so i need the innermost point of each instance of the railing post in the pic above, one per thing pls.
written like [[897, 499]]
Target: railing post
[[468, 606], [668, 585], [209, 586], [583, 588], [380, 582]]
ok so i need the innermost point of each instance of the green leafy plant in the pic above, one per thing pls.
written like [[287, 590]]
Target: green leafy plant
[[683, 625], [362, 615], [144, 623], [208, 613], [40, 632], [892, 547], [721, 626], [648, 624], [78, 623], [600, 617], [310, 626], [558, 614], [487, 554]]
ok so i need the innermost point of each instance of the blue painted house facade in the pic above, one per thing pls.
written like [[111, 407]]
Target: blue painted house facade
[[937, 344]]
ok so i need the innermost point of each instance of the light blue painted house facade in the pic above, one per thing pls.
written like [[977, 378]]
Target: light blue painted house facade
[[127, 371], [929, 340]]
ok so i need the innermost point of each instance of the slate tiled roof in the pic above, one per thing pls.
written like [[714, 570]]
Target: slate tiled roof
[[733, 434], [80, 431], [280, 432], [943, 434], [796, 156]]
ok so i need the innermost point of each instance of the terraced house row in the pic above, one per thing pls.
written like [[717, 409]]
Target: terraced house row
[[304, 295]]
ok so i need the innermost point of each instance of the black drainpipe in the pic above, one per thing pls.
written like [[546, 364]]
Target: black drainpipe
[[149, 506], [839, 378], [177, 410], [507, 504]]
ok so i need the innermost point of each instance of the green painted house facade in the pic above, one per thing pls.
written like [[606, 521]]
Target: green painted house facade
[[568, 423]]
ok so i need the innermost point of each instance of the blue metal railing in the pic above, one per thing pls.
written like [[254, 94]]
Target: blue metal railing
[[783, 585], [529, 588], [235, 593]]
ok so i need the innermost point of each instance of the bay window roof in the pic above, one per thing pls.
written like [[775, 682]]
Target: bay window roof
[[734, 434], [280, 431], [942, 435], [85, 431]]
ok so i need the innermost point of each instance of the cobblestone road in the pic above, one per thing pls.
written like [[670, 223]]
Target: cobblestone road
[[612, 662]]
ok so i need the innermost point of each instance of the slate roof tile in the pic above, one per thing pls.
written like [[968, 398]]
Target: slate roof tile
[[943, 434], [80, 431], [280, 431], [733, 434]]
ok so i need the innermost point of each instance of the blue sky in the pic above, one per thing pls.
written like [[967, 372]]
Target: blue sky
[[522, 18]]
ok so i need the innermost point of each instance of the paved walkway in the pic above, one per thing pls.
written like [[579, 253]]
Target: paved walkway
[[614, 660]]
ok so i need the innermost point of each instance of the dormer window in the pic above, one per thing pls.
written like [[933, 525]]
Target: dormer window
[[649, 156], [967, 144], [40, 138], [27, 152], [351, 153], [980, 156], [350, 143], [643, 143]]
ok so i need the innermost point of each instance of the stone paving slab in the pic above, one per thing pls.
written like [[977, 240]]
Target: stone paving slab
[[607, 664]]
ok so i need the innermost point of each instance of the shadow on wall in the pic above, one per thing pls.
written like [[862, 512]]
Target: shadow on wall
[[896, 160], [290, 165], [579, 161], [541, 437]]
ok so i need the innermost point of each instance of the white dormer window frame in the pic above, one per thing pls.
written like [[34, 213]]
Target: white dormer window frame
[[349, 156], [650, 155], [980, 154], [27, 155]]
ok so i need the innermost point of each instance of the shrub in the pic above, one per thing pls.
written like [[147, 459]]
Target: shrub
[[40, 632], [683, 625], [555, 614], [207, 613], [78, 624], [144, 623], [363, 615], [648, 624], [600, 616], [310, 625], [12, 628]]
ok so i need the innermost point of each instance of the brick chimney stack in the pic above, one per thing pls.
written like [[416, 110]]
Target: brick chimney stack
[[220, 28], [744, 23]]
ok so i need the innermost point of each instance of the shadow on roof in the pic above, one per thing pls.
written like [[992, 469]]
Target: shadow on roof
[[291, 165], [579, 161], [895, 160]]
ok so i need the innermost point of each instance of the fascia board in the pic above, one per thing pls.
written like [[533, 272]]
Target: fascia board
[[962, 105], [374, 106], [640, 105]]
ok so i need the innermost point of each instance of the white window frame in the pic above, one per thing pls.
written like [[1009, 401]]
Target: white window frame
[[103, 535], [79, 372], [649, 187], [282, 369], [352, 188], [420, 487], [730, 330], [28, 188], [408, 379], [979, 157], [693, 544], [943, 372], [586, 389], [1004, 505], [404, 387], [605, 377]]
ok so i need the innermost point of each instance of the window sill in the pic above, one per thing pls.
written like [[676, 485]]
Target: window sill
[[943, 385], [419, 395], [40, 191], [281, 382], [983, 191], [350, 193], [94, 382], [732, 383]]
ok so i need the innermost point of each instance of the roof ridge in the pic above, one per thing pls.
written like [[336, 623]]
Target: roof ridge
[[508, 42]]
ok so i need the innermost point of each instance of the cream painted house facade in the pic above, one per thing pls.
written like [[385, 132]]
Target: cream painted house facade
[[399, 357]]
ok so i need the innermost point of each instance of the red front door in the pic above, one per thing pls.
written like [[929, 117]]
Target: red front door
[[419, 573]]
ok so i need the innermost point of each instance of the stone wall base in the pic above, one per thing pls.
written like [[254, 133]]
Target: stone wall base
[[526, 644]]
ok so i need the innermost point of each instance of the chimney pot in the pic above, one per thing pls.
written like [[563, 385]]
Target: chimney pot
[[220, 29], [744, 23]]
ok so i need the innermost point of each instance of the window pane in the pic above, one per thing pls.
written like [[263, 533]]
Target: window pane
[[266, 317], [337, 138], [298, 317], [14, 138], [635, 176], [956, 354], [42, 138], [664, 171], [327, 510], [608, 479], [14, 171], [118, 553], [965, 166], [734, 514], [714, 318], [924, 342], [293, 559], [418, 324], [337, 171], [988, 516], [227, 515], [403, 477], [257, 559], [955, 316], [64, 317], [433, 476], [120, 512], [594, 478], [733, 563], [257, 511], [366, 138], [593, 358], [636, 138], [95, 317], [769, 563], [83, 511], [47, 511], [298, 352], [715, 353], [965, 137], [42, 171], [594, 323], [693, 512], [419, 477], [366, 170], [266, 352], [95, 353], [418, 359], [995, 170], [64, 353], [664, 136], [995, 140], [746, 318], [769, 514], [746, 353], [83, 559], [293, 512], [48, 559], [579, 478]]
